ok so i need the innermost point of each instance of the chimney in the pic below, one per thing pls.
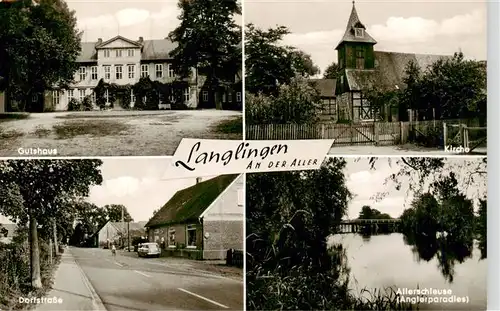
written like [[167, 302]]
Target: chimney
[[198, 180], [99, 41], [141, 40]]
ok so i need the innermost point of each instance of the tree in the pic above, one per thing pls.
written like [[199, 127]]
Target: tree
[[114, 213], [416, 173], [209, 40], [371, 213], [269, 64], [333, 71], [39, 45], [303, 63], [42, 186], [290, 215], [297, 102]]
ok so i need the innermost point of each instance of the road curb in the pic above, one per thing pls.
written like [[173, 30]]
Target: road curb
[[96, 300]]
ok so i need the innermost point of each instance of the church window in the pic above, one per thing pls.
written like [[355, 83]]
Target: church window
[[358, 32], [360, 58]]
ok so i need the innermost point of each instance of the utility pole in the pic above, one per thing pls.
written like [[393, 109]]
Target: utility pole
[[128, 233], [123, 227]]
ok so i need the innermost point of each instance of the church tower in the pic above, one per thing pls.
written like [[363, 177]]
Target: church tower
[[355, 49]]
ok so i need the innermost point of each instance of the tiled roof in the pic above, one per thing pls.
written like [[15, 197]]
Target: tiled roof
[[389, 70], [151, 49], [133, 225], [188, 204], [326, 87], [349, 35]]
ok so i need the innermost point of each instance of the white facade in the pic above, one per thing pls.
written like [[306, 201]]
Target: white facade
[[229, 205], [123, 61]]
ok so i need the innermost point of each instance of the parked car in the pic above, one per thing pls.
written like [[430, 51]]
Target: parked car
[[149, 250]]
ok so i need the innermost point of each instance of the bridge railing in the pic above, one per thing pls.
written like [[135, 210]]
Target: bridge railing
[[369, 221]]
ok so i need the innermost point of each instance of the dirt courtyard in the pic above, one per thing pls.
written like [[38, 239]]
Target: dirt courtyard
[[114, 133]]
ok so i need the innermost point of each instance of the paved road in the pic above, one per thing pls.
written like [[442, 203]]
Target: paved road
[[126, 283]]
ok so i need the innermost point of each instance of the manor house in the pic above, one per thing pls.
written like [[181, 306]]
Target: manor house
[[123, 61]]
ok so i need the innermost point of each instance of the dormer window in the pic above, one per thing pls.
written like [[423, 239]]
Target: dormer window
[[359, 32]]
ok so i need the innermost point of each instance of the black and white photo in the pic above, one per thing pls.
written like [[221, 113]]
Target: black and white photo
[[118, 78], [381, 78], [369, 234], [114, 234]]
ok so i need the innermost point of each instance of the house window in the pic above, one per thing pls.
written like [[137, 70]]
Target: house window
[[131, 71], [144, 99], [107, 72], [83, 73], [191, 236], [132, 96], [130, 53], [118, 53], [223, 97], [55, 98], [106, 53], [81, 94], [238, 96], [360, 58], [171, 73], [93, 72], [171, 237], [144, 71], [159, 70], [205, 96], [106, 95], [186, 94], [71, 94], [241, 197], [119, 72], [229, 97], [93, 98], [358, 32]]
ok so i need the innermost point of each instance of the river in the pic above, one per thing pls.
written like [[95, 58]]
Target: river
[[381, 261]]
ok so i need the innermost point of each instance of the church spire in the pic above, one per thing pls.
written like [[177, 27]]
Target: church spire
[[355, 31]]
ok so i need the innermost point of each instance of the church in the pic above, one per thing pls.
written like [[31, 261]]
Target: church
[[363, 68]]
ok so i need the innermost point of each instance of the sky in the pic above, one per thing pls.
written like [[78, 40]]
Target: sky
[[150, 19], [423, 26], [137, 184], [365, 183]]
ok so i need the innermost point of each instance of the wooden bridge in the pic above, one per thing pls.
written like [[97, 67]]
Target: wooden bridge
[[371, 226]]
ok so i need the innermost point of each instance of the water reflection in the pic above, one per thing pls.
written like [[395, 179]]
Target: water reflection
[[403, 261]]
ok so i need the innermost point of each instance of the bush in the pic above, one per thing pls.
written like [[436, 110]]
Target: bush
[[298, 103], [15, 274], [87, 103], [74, 105], [179, 106]]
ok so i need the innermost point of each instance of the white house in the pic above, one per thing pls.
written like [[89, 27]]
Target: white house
[[203, 221], [123, 61]]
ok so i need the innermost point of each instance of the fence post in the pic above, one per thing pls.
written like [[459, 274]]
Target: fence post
[[375, 132], [401, 131], [322, 130], [444, 134]]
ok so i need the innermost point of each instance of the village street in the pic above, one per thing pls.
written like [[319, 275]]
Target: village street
[[100, 282], [113, 133]]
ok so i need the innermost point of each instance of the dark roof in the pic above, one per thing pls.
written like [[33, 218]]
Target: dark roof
[[188, 204], [389, 70], [352, 23], [326, 87], [151, 49], [101, 44]]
